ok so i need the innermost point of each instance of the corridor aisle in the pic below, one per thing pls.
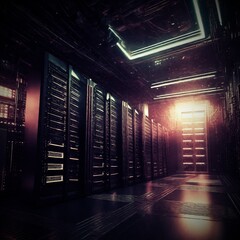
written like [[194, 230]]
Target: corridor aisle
[[181, 206], [197, 208]]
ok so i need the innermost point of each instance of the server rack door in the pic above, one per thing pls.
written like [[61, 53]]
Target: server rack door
[[98, 157], [75, 155], [114, 141], [160, 151], [52, 129], [165, 149], [124, 143], [155, 166], [138, 147], [88, 139], [147, 148], [130, 146]]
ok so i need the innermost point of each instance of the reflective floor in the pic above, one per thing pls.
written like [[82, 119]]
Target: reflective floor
[[181, 206]]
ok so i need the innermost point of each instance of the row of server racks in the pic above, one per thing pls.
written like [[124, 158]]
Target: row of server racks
[[232, 121], [87, 140]]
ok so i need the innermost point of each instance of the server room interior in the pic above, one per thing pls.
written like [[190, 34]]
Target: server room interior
[[119, 119]]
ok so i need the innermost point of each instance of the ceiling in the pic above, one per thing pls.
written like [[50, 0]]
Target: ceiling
[[79, 32]]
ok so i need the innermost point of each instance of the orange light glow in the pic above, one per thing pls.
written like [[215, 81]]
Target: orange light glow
[[32, 109], [196, 227], [183, 112], [189, 107], [195, 197]]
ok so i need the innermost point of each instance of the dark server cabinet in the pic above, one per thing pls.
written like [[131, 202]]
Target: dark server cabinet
[[147, 148], [104, 141], [138, 147], [76, 121], [113, 141], [61, 131], [165, 144], [3, 157], [12, 125], [160, 150], [232, 122], [128, 144], [155, 159], [53, 129], [98, 166]]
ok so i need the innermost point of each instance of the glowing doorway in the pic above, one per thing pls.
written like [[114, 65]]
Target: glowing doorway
[[193, 136]]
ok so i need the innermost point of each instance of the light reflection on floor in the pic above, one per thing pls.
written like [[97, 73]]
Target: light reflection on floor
[[203, 179], [175, 208], [195, 196], [199, 228]]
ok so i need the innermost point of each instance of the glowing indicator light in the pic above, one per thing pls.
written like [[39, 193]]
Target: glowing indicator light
[[55, 178], [7, 92], [74, 75]]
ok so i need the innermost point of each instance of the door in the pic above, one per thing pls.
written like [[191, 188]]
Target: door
[[194, 141]]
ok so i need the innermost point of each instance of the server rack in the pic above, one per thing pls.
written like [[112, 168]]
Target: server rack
[[165, 145], [105, 141], [232, 120], [98, 164], [147, 148], [113, 138], [138, 146], [61, 131], [160, 150], [155, 159], [53, 129], [12, 125], [124, 143], [128, 144], [76, 120]]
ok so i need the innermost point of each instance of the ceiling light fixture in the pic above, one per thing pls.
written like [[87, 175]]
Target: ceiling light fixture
[[167, 44], [184, 79], [218, 12], [189, 93]]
